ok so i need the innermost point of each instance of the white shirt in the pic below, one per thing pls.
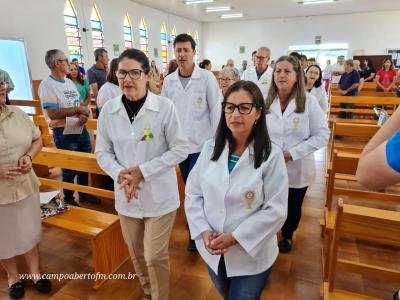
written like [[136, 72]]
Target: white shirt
[[301, 134], [319, 94], [198, 105], [219, 201], [107, 92], [264, 83], [337, 68], [154, 141], [327, 73]]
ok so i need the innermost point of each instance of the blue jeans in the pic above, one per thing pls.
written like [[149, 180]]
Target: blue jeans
[[73, 142], [239, 287], [187, 165], [346, 115]]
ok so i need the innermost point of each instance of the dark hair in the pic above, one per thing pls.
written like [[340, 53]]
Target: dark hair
[[112, 76], [391, 63], [295, 54], [79, 78], [302, 56], [369, 65], [172, 66], [259, 137], [183, 38], [299, 90], [137, 55], [317, 82], [74, 59], [99, 52], [204, 63], [254, 52]]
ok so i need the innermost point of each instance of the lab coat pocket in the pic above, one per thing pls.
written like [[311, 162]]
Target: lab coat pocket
[[164, 186]]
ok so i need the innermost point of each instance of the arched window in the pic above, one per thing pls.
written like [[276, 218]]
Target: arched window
[[197, 40], [128, 37], [97, 28], [164, 46], [173, 36], [144, 37], [72, 32]]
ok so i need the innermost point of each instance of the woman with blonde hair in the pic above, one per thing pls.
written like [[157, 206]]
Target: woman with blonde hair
[[296, 123]]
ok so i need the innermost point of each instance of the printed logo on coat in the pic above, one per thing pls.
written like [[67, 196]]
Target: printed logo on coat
[[199, 102], [148, 135], [249, 196], [265, 82], [296, 122]]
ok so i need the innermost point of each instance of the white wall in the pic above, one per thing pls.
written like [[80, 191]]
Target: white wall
[[373, 32], [40, 23]]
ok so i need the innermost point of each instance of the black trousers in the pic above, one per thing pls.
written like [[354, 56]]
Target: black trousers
[[295, 201]]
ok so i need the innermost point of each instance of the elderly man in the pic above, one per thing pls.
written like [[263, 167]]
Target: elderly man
[[60, 100], [338, 69], [348, 86], [261, 74], [244, 67]]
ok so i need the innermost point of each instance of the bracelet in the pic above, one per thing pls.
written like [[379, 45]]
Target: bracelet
[[30, 157]]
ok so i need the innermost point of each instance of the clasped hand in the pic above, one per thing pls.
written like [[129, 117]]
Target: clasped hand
[[129, 180], [10, 171], [217, 243]]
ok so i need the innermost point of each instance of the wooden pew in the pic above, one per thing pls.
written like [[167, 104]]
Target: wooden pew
[[363, 105], [366, 224], [368, 93], [35, 88], [30, 107], [103, 229], [349, 132]]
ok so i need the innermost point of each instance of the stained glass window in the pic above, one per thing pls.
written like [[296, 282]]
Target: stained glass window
[[173, 36], [72, 32], [197, 40], [164, 47], [144, 37], [97, 28], [128, 37]]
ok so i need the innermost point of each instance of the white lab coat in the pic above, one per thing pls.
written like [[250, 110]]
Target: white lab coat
[[216, 201], [319, 94], [198, 105], [154, 141], [264, 83], [301, 134]]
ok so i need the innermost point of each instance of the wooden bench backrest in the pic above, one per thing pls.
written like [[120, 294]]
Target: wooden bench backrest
[[366, 100], [78, 161], [40, 121], [342, 163], [368, 94], [366, 224]]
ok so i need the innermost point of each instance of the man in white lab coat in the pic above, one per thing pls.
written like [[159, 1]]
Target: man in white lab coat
[[197, 98], [261, 74]]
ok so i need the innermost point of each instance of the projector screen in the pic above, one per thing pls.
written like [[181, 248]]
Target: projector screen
[[13, 59]]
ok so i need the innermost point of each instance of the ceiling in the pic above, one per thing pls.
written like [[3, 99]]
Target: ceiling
[[266, 9]]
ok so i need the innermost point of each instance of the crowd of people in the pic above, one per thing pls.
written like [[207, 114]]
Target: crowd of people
[[244, 144]]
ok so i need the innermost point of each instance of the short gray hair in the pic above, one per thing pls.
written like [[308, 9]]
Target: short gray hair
[[231, 72], [349, 62], [52, 56], [265, 49]]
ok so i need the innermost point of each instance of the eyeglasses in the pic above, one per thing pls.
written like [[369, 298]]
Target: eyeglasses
[[134, 74], [3, 84], [243, 108], [62, 60], [261, 57], [225, 79]]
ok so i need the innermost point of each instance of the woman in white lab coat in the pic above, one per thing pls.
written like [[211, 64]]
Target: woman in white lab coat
[[315, 87], [296, 123], [236, 197], [139, 143]]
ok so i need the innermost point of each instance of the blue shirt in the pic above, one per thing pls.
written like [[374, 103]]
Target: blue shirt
[[232, 161], [347, 80], [393, 151]]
